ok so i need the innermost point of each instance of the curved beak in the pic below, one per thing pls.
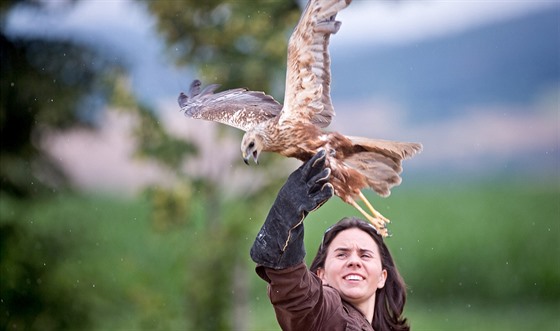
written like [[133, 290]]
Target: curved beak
[[246, 157]]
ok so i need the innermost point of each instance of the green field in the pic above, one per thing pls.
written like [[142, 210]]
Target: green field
[[475, 257]]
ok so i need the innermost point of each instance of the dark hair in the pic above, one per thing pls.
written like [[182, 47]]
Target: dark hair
[[389, 300]]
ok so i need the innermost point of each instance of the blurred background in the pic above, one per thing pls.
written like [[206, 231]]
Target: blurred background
[[118, 213]]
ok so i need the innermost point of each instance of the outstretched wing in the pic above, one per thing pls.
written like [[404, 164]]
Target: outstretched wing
[[240, 108], [307, 97]]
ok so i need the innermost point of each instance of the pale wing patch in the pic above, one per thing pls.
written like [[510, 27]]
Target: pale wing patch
[[240, 108]]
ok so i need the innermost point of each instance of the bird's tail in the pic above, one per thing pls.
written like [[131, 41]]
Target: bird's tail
[[380, 161]]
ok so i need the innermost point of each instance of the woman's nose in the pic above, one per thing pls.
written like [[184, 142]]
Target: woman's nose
[[354, 261]]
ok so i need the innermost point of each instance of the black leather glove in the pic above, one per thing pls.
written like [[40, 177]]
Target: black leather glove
[[279, 243]]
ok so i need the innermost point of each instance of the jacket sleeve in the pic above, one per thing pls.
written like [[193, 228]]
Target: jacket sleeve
[[300, 300]]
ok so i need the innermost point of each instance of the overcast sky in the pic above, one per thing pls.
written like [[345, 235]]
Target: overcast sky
[[127, 29], [369, 21]]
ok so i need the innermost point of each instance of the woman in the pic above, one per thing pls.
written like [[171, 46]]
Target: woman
[[353, 283]]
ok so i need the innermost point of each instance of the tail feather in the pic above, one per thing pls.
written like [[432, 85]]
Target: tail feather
[[379, 161], [380, 172]]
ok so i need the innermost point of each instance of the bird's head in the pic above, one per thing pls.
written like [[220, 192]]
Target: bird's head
[[251, 146]]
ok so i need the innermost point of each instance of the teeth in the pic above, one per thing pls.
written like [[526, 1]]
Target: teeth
[[353, 277]]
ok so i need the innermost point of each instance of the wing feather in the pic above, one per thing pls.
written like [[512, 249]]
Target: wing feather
[[240, 108], [307, 97]]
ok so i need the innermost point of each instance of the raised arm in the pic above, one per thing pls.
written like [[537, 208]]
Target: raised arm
[[296, 293], [279, 243]]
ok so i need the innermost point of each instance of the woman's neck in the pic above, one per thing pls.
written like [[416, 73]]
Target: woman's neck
[[366, 308]]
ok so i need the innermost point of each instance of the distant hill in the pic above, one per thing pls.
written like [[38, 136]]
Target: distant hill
[[504, 63]]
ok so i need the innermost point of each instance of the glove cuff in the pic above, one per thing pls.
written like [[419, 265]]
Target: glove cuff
[[279, 246]]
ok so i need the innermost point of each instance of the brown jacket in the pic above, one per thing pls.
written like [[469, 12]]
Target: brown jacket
[[303, 303]]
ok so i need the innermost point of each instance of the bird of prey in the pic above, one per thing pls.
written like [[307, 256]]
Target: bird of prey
[[296, 128]]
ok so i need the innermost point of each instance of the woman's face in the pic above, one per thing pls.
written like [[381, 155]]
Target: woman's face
[[353, 267]]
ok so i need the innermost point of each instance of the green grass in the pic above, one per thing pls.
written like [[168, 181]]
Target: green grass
[[109, 258], [477, 257], [467, 316]]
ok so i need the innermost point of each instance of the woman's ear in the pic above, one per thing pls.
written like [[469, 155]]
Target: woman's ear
[[321, 274], [382, 279]]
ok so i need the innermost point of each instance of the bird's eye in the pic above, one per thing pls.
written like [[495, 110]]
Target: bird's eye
[[251, 144]]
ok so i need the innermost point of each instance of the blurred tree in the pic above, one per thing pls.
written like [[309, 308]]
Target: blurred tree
[[235, 43], [46, 85]]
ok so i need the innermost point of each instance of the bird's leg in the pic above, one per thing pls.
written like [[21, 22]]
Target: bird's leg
[[374, 212], [378, 223]]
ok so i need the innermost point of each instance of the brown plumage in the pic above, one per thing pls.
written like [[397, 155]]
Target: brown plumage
[[295, 129]]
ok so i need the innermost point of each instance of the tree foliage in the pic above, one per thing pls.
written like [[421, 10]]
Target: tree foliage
[[235, 43], [46, 85]]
